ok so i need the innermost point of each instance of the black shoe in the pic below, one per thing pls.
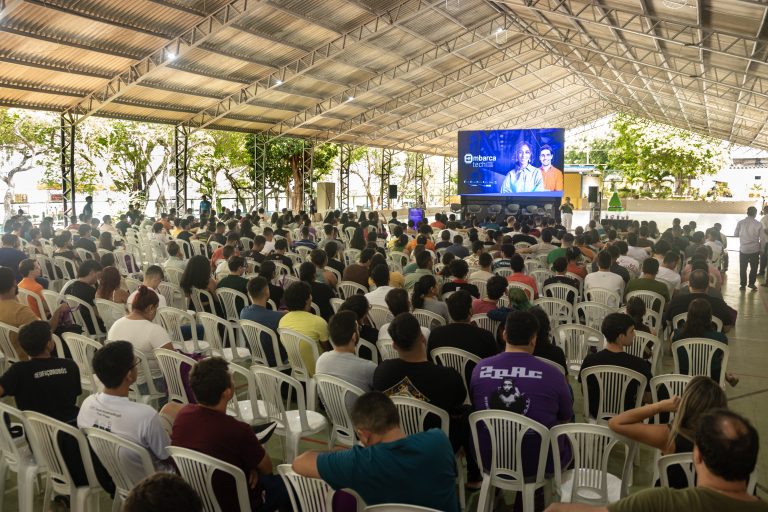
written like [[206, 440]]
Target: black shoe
[[264, 432], [753, 287]]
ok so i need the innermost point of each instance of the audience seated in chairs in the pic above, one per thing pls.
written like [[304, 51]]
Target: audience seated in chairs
[[298, 299], [462, 333], [153, 276], [342, 361], [424, 296]]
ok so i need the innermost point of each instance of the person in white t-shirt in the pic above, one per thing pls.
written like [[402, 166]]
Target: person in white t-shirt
[[668, 273], [398, 302], [604, 278], [175, 256], [138, 328], [380, 277], [112, 410], [486, 263], [153, 276]]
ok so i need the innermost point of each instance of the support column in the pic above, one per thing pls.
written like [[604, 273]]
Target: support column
[[180, 162], [260, 149], [307, 165], [447, 174], [345, 160], [385, 175], [418, 175], [67, 140]]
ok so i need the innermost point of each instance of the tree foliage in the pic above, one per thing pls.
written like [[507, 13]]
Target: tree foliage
[[217, 158]]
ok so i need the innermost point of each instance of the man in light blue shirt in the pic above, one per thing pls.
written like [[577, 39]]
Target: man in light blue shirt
[[749, 230]]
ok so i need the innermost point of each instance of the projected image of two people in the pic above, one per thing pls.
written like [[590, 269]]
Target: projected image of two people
[[511, 161]]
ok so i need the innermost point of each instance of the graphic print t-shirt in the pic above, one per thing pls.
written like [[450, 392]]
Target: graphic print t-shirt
[[520, 383]]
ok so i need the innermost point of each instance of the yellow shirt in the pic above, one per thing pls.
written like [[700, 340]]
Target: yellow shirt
[[309, 325]]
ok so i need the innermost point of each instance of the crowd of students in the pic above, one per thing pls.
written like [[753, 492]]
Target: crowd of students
[[291, 269]]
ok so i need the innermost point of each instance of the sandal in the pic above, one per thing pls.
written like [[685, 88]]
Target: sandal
[[731, 379]]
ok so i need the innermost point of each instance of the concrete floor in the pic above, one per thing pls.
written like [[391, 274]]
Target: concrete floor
[[748, 360]]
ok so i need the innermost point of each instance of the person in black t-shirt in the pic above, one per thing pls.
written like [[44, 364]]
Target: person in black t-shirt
[[321, 292], [461, 333], [619, 332], [332, 249], [85, 241], [84, 288], [281, 246], [45, 384], [412, 374]]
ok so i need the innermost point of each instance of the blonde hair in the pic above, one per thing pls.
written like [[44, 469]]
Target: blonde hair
[[701, 395]]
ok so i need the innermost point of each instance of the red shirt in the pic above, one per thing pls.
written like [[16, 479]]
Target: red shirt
[[224, 437], [522, 278], [577, 269]]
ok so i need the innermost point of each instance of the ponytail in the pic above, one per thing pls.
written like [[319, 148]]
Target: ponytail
[[420, 289], [144, 299]]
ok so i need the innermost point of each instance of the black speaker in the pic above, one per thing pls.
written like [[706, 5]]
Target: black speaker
[[393, 191], [592, 197]]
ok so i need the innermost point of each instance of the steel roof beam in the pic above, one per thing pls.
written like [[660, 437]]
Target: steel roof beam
[[184, 43], [53, 66], [404, 11]]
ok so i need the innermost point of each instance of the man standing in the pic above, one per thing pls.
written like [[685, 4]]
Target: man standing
[[750, 233], [764, 245], [566, 213], [553, 177], [205, 205]]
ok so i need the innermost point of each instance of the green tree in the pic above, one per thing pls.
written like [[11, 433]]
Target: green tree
[[595, 151], [24, 143], [215, 154], [653, 155], [89, 168]]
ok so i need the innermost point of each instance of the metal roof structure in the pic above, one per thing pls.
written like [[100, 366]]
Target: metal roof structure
[[400, 74]]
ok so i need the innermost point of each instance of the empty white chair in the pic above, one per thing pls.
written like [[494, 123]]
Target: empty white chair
[[43, 432], [701, 353], [350, 288], [603, 296], [233, 301], [250, 410], [213, 326], [338, 396], [16, 456], [173, 294], [576, 340], [306, 494], [559, 311], [82, 349], [173, 320], [291, 423], [10, 353], [593, 313], [170, 363], [301, 350], [482, 321], [256, 335], [428, 319], [589, 481], [614, 383], [507, 431], [198, 469], [125, 461], [81, 311], [110, 312], [459, 360]]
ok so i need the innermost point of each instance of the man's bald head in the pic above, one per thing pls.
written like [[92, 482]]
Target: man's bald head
[[728, 445]]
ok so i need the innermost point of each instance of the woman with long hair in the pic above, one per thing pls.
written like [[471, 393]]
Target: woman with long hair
[[138, 328], [109, 286], [636, 309], [698, 324], [424, 296], [358, 240], [268, 271], [105, 241], [701, 395]]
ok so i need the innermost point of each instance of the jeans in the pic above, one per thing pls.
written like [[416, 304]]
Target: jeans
[[751, 259]]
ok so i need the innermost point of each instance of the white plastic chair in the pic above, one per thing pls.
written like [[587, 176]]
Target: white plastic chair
[[674, 384], [701, 352], [8, 349], [170, 363], [482, 321], [199, 247], [173, 320], [82, 349], [114, 453], [561, 291], [613, 383], [603, 296], [653, 301], [43, 432], [174, 295], [428, 319], [336, 304], [481, 285], [229, 299], [82, 310], [683, 460], [559, 311], [504, 272], [293, 424], [212, 326], [679, 320], [593, 313], [110, 312], [540, 275], [293, 341], [638, 347], [198, 468], [589, 482], [252, 409], [202, 300], [379, 315], [337, 396], [153, 396], [29, 298], [576, 340], [16, 456], [413, 414], [306, 494], [132, 284], [387, 349], [507, 431], [67, 266], [350, 288], [255, 334], [457, 359], [173, 275]]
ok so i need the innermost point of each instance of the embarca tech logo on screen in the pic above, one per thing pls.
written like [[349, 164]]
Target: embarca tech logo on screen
[[478, 161]]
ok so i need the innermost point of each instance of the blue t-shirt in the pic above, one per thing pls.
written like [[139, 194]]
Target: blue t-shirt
[[520, 383], [386, 472], [267, 318]]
